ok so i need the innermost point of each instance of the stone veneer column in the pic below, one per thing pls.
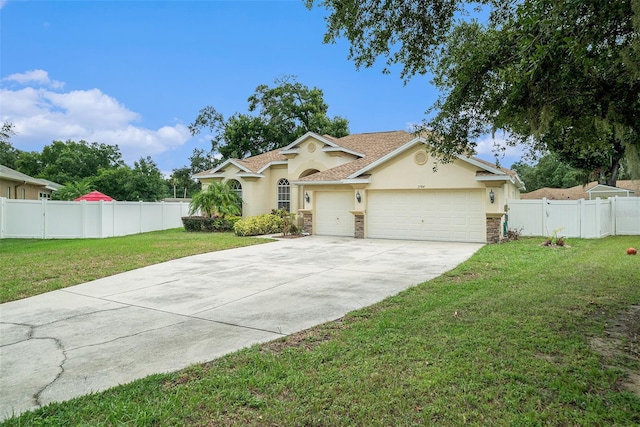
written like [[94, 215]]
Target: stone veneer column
[[307, 222], [359, 222], [494, 232]]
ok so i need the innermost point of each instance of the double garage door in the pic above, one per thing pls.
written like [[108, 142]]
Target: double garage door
[[406, 214]]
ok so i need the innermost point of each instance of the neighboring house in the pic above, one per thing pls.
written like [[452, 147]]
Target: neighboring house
[[373, 185], [590, 191], [16, 185]]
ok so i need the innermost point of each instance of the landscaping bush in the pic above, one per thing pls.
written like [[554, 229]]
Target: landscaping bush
[[288, 221], [212, 224], [258, 225]]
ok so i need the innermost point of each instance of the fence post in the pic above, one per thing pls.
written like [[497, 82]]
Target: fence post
[[3, 215], [43, 213], [83, 214], [614, 222], [598, 218], [101, 218], [162, 215], [583, 215], [140, 218], [545, 212]]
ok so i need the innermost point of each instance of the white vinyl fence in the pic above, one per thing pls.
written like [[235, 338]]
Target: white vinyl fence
[[46, 219], [576, 218]]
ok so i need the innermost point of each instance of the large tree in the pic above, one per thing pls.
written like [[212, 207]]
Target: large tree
[[284, 113], [72, 161], [144, 182], [8, 154], [562, 76], [549, 171], [181, 184]]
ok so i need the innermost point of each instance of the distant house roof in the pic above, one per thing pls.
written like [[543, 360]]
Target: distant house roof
[[623, 188], [13, 175], [94, 196]]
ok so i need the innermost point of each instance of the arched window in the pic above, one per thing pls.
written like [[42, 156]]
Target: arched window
[[236, 187], [284, 195]]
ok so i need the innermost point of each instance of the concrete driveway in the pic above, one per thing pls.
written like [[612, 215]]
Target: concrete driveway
[[161, 318]]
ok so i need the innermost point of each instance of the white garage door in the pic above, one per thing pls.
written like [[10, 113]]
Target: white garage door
[[426, 215], [332, 213]]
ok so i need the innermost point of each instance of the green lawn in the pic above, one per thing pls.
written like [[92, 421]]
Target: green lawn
[[502, 340], [32, 267]]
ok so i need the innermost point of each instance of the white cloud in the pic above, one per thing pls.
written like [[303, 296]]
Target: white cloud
[[488, 146], [40, 77], [41, 115]]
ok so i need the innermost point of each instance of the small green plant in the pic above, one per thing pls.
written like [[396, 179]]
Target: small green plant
[[554, 239], [288, 225], [513, 234]]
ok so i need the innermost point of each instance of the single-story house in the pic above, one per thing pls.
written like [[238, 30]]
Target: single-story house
[[16, 185], [373, 185], [590, 191]]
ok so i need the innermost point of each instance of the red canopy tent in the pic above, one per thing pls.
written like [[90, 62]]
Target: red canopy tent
[[95, 196]]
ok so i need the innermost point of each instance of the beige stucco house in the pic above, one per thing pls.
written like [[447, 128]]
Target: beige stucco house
[[16, 185], [373, 185]]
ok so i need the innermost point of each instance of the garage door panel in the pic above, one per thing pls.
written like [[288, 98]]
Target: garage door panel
[[426, 215], [332, 216]]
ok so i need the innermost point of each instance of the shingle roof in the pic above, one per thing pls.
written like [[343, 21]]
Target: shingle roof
[[13, 175], [373, 146]]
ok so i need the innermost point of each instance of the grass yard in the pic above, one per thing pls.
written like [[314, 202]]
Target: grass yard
[[505, 339], [32, 267]]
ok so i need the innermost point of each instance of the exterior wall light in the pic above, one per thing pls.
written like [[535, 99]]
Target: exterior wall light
[[306, 197], [492, 196], [358, 196]]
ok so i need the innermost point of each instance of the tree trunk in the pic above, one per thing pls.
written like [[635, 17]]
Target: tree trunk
[[610, 176]]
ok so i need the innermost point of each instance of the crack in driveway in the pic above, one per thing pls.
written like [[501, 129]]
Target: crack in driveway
[[38, 394]]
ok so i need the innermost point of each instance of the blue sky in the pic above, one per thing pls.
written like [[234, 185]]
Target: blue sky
[[136, 73]]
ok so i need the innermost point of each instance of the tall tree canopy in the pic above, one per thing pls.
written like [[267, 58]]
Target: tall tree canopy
[[8, 154], [144, 182], [549, 172], [284, 113], [556, 75], [72, 161]]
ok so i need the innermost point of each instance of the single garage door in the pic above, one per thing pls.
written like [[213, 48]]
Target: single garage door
[[426, 215], [332, 213]]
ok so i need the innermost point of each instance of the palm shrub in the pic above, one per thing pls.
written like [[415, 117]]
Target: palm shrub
[[73, 190], [216, 204], [217, 200]]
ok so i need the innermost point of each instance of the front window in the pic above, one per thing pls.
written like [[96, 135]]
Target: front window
[[284, 192], [236, 187]]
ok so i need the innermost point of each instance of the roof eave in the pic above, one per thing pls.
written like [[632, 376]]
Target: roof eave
[[346, 181], [307, 135], [343, 150], [273, 163], [250, 175], [208, 176]]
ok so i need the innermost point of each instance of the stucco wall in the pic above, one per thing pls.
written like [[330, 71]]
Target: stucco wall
[[311, 156], [404, 172], [31, 192]]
